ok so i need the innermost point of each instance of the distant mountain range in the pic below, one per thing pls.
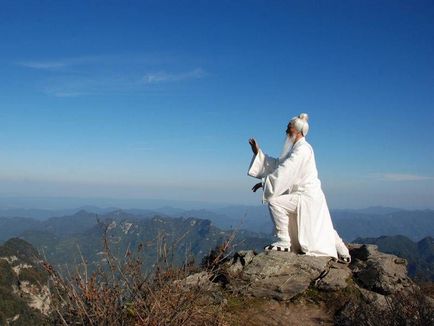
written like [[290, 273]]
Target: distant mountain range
[[350, 223], [62, 239], [415, 224], [420, 255]]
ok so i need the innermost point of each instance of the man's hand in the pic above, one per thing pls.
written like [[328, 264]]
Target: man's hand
[[257, 186], [254, 145]]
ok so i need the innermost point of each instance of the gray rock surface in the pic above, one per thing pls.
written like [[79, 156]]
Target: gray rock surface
[[370, 280], [277, 275], [378, 272], [240, 259], [284, 275], [335, 278]]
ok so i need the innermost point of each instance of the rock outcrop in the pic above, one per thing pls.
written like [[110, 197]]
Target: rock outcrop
[[282, 276], [378, 272], [24, 294], [273, 274], [372, 276]]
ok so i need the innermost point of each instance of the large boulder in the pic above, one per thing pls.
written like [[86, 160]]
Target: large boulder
[[378, 272], [365, 287], [283, 275], [272, 274]]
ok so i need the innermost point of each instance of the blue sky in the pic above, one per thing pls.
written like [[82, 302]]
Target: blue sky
[[157, 99]]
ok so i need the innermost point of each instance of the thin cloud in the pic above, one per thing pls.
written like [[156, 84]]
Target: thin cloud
[[72, 86], [162, 76], [106, 59], [43, 65], [102, 74], [402, 177], [62, 63]]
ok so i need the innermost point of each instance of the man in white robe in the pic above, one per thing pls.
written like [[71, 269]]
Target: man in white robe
[[296, 202]]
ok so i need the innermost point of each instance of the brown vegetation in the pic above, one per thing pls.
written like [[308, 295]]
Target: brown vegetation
[[121, 292]]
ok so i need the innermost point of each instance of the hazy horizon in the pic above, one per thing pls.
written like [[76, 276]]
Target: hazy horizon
[[73, 203]]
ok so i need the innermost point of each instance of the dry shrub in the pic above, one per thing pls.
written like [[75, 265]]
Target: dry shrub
[[411, 308], [121, 292], [219, 254]]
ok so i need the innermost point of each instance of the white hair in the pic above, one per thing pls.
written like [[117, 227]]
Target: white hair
[[300, 123]]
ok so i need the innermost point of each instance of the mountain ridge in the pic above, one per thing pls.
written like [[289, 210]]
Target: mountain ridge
[[350, 224]]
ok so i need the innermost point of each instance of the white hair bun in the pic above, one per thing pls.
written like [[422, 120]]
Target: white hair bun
[[304, 116]]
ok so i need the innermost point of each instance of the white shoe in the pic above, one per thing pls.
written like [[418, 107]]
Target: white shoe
[[278, 246], [345, 259], [343, 252]]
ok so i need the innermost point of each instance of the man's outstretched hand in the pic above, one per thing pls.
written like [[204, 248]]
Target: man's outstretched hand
[[257, 186], [254, 145]]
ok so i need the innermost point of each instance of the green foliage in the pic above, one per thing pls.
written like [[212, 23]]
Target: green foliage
[[11, 302], [33, 275], [7, 275]]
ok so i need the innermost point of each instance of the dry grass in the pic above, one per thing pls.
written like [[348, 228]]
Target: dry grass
[[409, 308], [120, 292]]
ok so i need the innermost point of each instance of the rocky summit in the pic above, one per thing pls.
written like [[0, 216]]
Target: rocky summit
[[245, 288], [282, 276], [289, 283]]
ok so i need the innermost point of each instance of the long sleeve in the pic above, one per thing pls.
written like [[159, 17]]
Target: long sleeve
[[262, 165], [283, 177]]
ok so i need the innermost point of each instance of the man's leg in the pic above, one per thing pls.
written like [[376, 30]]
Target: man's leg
[[293, 233], [280, 208]]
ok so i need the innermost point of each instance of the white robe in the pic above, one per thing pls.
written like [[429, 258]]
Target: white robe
[[297, 174]]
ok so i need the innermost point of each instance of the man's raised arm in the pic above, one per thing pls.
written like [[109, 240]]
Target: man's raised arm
[[262, 164]]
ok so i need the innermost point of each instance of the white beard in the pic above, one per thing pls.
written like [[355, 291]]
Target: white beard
[[287, 146]]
